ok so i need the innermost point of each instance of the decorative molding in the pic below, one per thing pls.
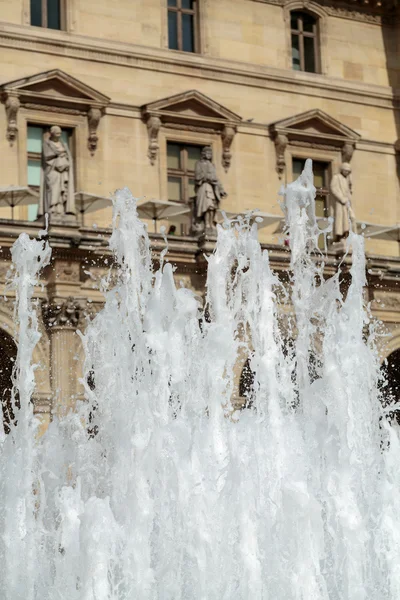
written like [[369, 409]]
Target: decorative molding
[[12, 104], [153, 127], [281, 141], [312, 129], [227, 135], [375, 12], [94, 115], [208, 68], [314, 145], [191, 111], [57, 92], [66, 313], [53, 109]]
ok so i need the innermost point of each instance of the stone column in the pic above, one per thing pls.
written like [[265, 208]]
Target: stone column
[[62, 320]]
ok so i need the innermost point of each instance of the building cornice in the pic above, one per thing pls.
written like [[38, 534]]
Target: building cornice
[[58, 43], [373, 12]]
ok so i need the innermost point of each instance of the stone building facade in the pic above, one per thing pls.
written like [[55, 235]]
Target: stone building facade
[[138, 87]]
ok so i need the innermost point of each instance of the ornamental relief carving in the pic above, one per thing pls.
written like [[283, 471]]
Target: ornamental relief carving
[[374, 14], [386, 301], [67, 313]]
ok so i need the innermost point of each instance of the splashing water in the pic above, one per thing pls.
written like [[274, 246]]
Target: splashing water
[[156, 488]]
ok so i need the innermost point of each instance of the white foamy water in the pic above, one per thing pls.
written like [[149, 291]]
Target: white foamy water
[[177, 497]]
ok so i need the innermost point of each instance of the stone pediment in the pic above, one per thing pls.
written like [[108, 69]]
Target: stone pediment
[[191, 106], [54, 86], [192, 111], [315, 124], [53, 91], [315, 129]]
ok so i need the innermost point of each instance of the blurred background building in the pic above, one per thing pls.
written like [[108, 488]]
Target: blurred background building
[[138, 87]]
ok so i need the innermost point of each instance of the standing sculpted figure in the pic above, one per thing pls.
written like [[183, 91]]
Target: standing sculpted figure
[[209, 190], [56, 181], [341, 189]]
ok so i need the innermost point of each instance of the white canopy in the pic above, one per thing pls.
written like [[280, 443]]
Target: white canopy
[[267, 218], [86, 203], [158, 210], [17, 196], [370, 230]]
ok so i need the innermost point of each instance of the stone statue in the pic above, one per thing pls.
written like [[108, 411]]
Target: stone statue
[[341, 190], [56, 180], [209, 191]]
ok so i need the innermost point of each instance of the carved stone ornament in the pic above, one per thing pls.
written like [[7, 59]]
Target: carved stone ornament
[[227, 135], [57, 92], [62, 314], [347, 152], [312, 129], [94, 116], [190, 111], [12, 105], [153, 127], [281, 142]]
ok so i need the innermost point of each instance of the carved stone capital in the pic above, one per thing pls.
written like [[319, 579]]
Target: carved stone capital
[[12, 104], [281, 141], [227, 135], [65, 314], [153, 127], [347, 151], [94, 116]]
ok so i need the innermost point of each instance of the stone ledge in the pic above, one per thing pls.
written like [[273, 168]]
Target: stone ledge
[[201, 66]]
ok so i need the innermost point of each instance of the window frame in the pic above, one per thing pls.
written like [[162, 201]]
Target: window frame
[[183, 173], [301, 34], [319, 13], [179, 10], [44, 25]]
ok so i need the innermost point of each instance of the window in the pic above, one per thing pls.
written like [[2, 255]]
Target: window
[[321, 182], [304, 35], [34, 147], [181, 160], [182, 25], [47, 13]]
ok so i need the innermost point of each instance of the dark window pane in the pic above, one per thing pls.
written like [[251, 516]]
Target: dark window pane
[[320, 206], [175, 189], [193, 155], [53, 14], [320, 174], [308, 23], [309, 55], [173, 156], [297, 167], [173, 30], [187, 33], [294, 17], [295, 52], [36, 13], [172, 2], [187, 4]]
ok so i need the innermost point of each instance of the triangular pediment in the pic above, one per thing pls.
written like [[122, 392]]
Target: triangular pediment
[[191, 105], [314, 123], [57, 85]]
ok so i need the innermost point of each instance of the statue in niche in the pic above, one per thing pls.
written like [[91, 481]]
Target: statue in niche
[[56, 181], [209, 192], [341, 189]]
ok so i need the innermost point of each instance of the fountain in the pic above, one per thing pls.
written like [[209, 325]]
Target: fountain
[[155, 488]]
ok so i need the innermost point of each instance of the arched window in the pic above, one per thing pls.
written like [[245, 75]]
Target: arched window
[[304, 40], [8, 354]]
